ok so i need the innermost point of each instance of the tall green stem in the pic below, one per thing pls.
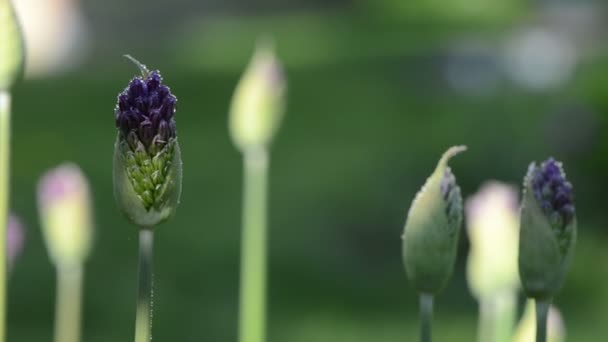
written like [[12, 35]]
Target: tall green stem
[[143, 319], [5, 130], [252, 320], [68, 305], [497, 317], [542, 311], [426, 316]]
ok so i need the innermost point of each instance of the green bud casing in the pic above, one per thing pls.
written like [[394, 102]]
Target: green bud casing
[[147, 187], [432, 229]]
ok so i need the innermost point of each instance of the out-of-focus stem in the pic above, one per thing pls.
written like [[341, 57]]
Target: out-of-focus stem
[[68, 304], [542, 311], [252, 320], [497, 317], [426, 316], [5, 130], [143, 318]]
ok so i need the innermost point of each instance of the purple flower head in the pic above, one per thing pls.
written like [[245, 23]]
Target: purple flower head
[[145, 112], [15, 237], [147, 158], [552, 191]]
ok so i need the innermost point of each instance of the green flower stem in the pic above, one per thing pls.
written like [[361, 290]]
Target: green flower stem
[[5, 130], [143, 319], [542, 311], [426, 316], [252, 320], [497, 317], [68, 304]]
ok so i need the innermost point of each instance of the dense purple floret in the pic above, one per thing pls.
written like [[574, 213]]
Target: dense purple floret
[[552, 191], [147, 108]]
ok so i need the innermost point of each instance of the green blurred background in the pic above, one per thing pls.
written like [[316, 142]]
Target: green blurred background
[[378, 89]]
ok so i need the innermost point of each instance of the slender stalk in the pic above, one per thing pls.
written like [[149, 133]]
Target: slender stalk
[[68, 304], [252, 320], [143, 318], [486, 320], [542, 310], [426, 316], [5, 130], [497, 317]]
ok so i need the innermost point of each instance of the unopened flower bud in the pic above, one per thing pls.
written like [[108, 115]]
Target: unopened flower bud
[[11, 46], [15, 237], [147, 157], [432, 228], [547, 229], [492, 227], [258, 102], [65, 213]]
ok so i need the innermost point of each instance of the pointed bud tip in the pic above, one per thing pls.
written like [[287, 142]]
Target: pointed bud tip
[[451, 152], [145, 72], [11, 47]]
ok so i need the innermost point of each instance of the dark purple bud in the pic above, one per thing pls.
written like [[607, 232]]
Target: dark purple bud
[[154, 80], [137, 88], [155, 118], [123, 102], [552, 191], [154, 101], [168, 107], [163, 131]]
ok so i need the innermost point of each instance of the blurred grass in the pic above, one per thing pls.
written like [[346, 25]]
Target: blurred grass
[[359, 139]]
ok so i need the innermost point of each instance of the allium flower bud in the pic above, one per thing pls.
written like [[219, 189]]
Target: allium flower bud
[[526, 330], [65, 212], [15, 237], [493, 229], [547, 229], [11, 46], [258, 102], [432, 228], [147, 157]]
